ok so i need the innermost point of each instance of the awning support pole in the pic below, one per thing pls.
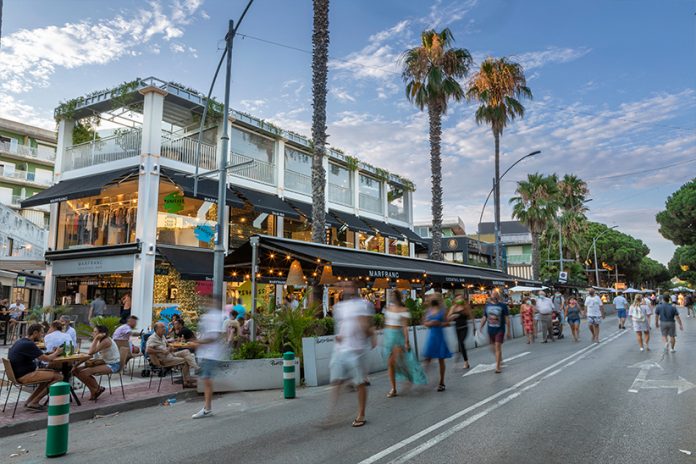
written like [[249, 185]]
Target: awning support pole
[[254, 269]]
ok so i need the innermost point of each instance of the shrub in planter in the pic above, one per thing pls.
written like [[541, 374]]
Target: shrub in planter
[[379, 321], [514, 310], [323, 326], [111, 323], [416, 309], [254, 350]]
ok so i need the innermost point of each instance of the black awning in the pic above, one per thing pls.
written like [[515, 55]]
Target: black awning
[[306, 211], [460, 273], [79, 187], [408, 234], [207, 188], [353, 222], [384, 229], [190, 263], [267, 203]]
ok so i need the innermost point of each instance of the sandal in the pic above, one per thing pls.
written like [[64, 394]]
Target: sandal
[[359, 422], [98, 394], [441, 387], [35, 407], [392, 394], [498, 371]]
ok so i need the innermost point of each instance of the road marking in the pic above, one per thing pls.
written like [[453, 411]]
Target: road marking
[[489, 367], [642, 381], [397, 446]]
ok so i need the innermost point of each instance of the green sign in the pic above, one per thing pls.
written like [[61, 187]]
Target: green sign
[[174, 202]]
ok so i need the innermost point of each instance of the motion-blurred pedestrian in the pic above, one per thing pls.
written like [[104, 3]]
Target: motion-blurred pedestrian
[[401, 361], [496, 315], [436, 346]]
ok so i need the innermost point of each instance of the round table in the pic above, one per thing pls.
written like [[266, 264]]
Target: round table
[[65, 365]]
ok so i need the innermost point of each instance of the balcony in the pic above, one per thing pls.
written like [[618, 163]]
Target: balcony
[[26, 176], [39, 153], [519, 259], [184, 150], [398, 213], [340, 195], [516, 238], [370, 203], [252, 168], [297, 182]]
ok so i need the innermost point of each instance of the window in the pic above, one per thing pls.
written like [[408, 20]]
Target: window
[[184, 221], [399, 205], [297, 229], [298, 171], [342, 236], [370, 194], [245, 222], [253, 146], [399, 247], [371, 242], [423, 231], [106, 219], [340, 190]]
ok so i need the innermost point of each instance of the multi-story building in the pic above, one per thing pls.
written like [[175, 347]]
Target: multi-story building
[[27, 157], [451, 227], [516, 240], [125, 212]]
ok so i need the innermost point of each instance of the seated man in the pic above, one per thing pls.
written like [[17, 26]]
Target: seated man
[[17, 310], [183, 332], [157, 346], [65, 320], [22, 356], [122, 335], [107, 360], [56, 337]]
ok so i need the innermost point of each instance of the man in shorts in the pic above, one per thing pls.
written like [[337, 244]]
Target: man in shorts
[[665, 314], [594, 310], [355, 338], [496, 314], [211, 351], [621, 305]]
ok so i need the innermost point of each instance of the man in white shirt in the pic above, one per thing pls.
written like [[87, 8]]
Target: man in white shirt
[[621, 305], [211, 351], [594, 310], [65, 320], [56, 337], [544, 307]]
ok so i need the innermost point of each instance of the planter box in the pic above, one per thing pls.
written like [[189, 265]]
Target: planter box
[[251, 374], [516, 326]]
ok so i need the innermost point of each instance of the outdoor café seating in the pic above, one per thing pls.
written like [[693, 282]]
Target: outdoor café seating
[[13, 382], [124, 358], [156, 367]]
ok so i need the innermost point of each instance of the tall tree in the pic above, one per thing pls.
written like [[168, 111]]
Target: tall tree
[[683, 263], [431, 72], [573, 193], [678, 220], [498, 86], [320, 68], [535, 206]]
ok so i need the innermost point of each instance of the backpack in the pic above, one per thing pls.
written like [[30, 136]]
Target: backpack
[[639, 316]]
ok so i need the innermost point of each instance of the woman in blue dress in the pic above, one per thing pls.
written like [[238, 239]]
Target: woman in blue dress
[[436, 346]]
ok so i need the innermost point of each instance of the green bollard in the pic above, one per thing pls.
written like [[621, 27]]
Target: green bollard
[[289, 375], [58, 419]]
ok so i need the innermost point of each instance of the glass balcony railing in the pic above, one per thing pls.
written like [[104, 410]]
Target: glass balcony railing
[[370, 203], [340, 195], [40, 152], [297, 182], [26, 176], [252, 168]]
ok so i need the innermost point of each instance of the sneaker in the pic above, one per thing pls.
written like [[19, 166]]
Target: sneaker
[[672, 350], [641, 349], [202, 413]]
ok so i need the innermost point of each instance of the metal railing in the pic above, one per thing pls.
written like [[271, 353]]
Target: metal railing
[[184, 150], [104, 150], [397, 213], [27, 150], [340, 195], [519, 259], [297, 182], [25, 175], [370, 203], [17, 199], [253, 169]]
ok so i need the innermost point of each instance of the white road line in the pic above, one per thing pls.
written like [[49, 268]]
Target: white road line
[[489, 367], [397, 446]]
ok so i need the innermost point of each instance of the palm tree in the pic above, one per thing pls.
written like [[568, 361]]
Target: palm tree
[[573, 193], [430, 72], [498, 86], [320, 57], [535, 206]]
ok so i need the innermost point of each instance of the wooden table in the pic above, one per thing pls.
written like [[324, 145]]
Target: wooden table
[[66, 364], [181, 345], [41, 345]]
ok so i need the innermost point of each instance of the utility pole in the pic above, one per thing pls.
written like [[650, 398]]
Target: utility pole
[[496, 226], [560, 246], [596, 270]]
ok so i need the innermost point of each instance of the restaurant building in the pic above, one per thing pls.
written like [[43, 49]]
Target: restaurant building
[[127, 219]]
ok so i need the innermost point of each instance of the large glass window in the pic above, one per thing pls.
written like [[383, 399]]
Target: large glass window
[[342, 236], [184, 221], [107, 219], [371, 242], [245, 222], [253, 145], [370, 194], [298, 171], [399, 247], [339, 185], [297, 229], [398, 199]]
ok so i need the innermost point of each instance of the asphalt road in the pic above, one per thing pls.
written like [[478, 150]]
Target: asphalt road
[[561, 402]]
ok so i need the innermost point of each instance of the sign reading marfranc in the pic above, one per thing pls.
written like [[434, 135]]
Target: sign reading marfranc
[[381, 273]]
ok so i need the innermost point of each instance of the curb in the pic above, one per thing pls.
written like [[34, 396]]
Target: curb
[[77, 416]]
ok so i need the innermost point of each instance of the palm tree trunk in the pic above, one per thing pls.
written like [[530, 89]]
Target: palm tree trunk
[[435, 115], [496, 228], [320, 57], [535, 256]]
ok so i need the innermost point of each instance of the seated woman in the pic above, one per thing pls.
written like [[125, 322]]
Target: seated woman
[[183, 333], [106, 360], [170, 326]]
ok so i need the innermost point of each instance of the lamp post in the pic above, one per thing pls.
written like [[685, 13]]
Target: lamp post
[[594, 247], [496, 184]]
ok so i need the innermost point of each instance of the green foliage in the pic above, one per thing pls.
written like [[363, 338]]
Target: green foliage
[[514, 310], [122, 95], [683, 263], [110, 322], [408, 185], [378, 320], [284, 329], [382, 174], [66, 109], [616, 248], [254, 350], [678, 220], [477, 311], [352, 163], [85, 131], [653, 273], [536, 202], [36, 314], [324, 326], [416, 309]]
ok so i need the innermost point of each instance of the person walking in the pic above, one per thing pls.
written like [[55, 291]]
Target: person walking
[[689, 303], [460, 313], [640, 317], [572, 315], [527, 312], [621, 304], [496, 315], [436, 346], [558, 302], [97, 307], [401, 361], [544, 307], [594, 310], [210, 348], [665, 315], [355, 337]]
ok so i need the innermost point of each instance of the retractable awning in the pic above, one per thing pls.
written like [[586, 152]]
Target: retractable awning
[[384, 229], [408, 234], [207, 188], [80, 187], [306, 211], [190, 263], [353, 222], [266, 202]]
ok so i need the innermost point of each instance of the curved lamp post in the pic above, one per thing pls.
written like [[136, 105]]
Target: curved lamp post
[[594, 247]]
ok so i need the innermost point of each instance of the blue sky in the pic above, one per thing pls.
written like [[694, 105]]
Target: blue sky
[[614, 84]]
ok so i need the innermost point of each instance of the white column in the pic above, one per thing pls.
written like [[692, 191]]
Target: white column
[[280, 166], [385, 200], [325, 163], [148, 192], [65, 135], [49, 291], [355, 187]]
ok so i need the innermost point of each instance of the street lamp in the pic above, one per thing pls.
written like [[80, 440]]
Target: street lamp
[[496, 183], [594, 246]]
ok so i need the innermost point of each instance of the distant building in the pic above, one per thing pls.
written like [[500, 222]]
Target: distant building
[[517, 245], [27, 158], [462, 250], [451, 227]]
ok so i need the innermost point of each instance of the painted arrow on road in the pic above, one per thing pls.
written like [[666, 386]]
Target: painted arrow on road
[[489, 367], [642, 381]]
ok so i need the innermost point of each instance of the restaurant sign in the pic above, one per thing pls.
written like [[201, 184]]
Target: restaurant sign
[[95, 265]]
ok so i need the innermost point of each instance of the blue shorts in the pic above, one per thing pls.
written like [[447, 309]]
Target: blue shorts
[[208, 368], [573, 320], [621, 313], [114, 366]]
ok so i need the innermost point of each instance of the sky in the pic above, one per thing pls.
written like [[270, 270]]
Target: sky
[[614, 85]]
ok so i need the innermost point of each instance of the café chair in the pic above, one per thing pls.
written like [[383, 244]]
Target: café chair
[[123, 360], [14, 382], [156, 367]]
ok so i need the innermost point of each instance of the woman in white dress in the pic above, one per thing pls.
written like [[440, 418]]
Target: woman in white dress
[[639, 312]]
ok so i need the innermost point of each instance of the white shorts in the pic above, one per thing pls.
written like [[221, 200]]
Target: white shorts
[[348, 365]]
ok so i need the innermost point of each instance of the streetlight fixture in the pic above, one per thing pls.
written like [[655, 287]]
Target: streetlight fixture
[[496, 184], [594, 247]]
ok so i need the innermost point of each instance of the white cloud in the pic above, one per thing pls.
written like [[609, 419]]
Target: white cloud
[[36, 54], [253, 105], [538, 59], [341, 94], [11, 108], [442, 15]]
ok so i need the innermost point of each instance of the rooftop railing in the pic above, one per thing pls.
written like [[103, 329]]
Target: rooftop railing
[[298, 182], [40, 152], [370, 203], [340, 195], [252, 168]]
